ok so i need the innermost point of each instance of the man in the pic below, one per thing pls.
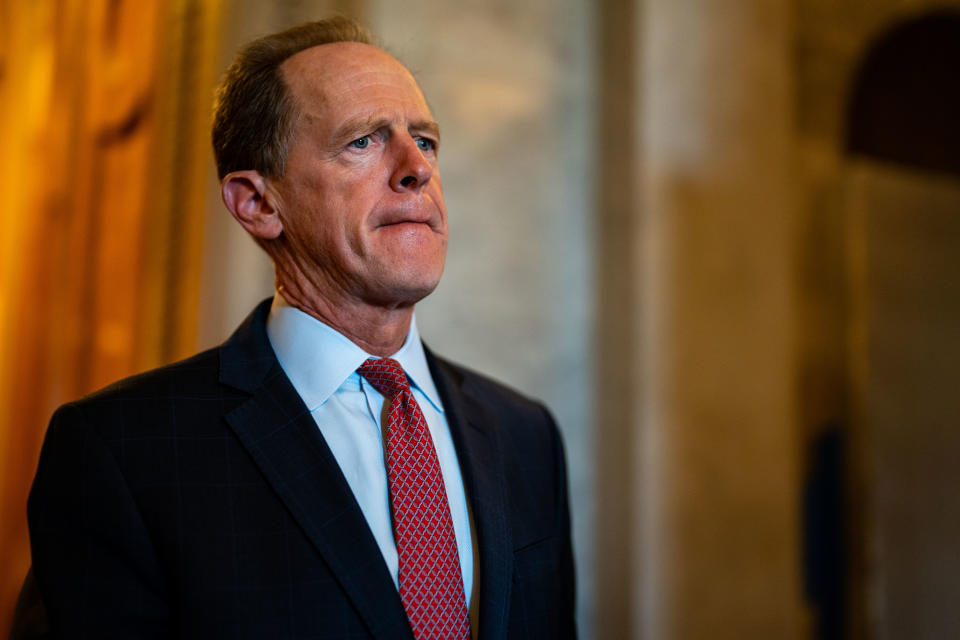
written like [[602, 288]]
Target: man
[[321, 474]]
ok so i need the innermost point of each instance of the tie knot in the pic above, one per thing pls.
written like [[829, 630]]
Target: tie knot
[[386, 375]]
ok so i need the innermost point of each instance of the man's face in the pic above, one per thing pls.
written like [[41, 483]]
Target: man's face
[[360, 200]]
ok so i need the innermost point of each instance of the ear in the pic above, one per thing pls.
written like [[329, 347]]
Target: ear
[[246, 196]]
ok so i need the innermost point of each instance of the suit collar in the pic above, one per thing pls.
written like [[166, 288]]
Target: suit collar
[[246, 357], [317, 358], [280, 435], [278, 432], [474, 431]]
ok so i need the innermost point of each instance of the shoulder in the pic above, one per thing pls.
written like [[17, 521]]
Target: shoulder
[[523, 425], [494, 395], [189, 375], [153, 402], [190, 395]]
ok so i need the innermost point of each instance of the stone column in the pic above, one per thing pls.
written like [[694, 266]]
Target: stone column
[[717, 467]]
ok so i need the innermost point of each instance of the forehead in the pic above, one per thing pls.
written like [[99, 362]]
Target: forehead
[[345, 74]]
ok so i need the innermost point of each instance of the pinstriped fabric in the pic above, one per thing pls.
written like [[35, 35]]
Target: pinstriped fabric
[[431, 584]]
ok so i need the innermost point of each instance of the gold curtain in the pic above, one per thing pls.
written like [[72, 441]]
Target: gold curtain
[[103, 161]]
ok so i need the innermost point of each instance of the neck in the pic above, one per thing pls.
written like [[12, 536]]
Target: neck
[[379, 331]]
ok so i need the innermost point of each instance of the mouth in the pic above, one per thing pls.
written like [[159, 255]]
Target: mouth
[[406, 216], [400, 223], [406, 229]]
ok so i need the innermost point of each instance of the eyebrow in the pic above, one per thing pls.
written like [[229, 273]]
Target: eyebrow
[[428, 126], [353, 129]]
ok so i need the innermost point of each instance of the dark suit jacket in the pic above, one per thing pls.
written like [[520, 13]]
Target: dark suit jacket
[[199, 500]]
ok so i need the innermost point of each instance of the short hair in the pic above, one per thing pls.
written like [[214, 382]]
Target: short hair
[[254, 111]]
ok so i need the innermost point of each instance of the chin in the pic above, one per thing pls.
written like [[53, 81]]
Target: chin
[[400, 287], [413, 292]]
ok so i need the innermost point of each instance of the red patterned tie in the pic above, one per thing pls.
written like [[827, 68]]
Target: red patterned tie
[[431, 585]]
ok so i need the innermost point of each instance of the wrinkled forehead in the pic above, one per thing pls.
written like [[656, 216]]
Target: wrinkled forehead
[[322, 73]]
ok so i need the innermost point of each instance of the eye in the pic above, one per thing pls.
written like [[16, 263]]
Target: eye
[[426, 144], [361, 143]]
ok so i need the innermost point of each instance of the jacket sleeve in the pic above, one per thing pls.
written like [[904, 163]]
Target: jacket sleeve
[[96, 568]]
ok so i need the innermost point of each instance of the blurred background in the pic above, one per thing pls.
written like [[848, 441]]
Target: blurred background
[[720, 239]]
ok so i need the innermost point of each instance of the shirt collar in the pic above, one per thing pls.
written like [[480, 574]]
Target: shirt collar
[[318, 359]]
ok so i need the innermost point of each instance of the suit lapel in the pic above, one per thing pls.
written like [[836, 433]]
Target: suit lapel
[[474, 436], [281, 436]]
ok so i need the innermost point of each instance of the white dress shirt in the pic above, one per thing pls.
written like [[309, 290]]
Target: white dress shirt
[[322, 365]]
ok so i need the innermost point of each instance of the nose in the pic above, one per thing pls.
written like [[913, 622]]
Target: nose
[[412, 169]]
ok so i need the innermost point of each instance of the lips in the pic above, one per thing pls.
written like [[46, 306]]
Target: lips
[[393, 223], [407, 213]]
